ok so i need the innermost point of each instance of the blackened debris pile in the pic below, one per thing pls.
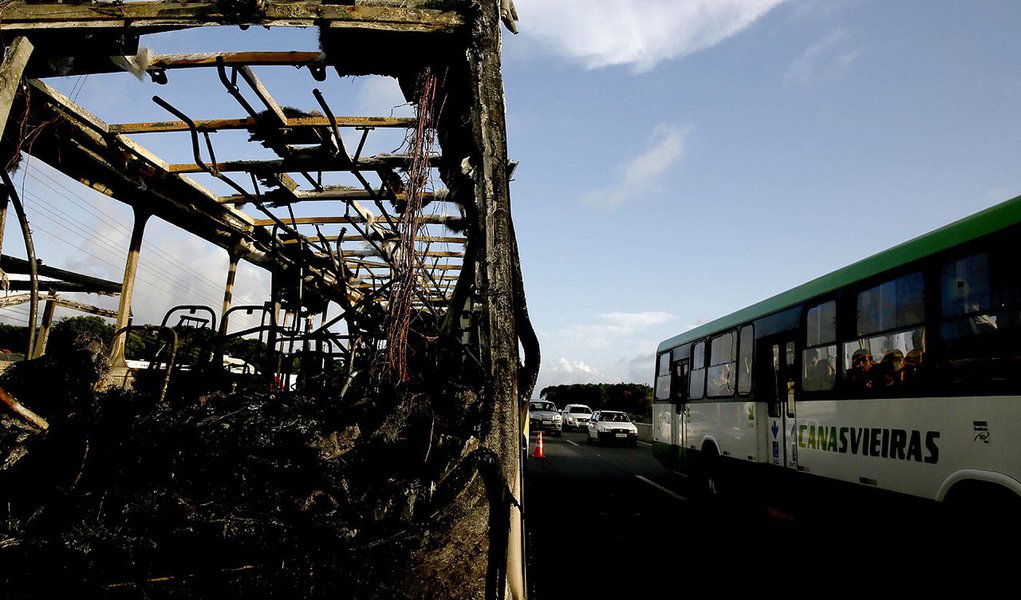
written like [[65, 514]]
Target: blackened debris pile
[[260, 494]]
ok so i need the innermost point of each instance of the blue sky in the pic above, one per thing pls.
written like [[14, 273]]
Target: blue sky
[[717, 153], [678, 159]]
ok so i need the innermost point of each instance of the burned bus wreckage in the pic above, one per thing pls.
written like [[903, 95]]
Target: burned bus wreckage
[[374, 450]]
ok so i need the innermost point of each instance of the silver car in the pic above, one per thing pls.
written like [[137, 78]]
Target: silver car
[[576, 416], [544, 416]]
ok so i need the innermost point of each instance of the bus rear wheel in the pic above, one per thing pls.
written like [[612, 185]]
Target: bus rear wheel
[[974, 507], [712, 479]]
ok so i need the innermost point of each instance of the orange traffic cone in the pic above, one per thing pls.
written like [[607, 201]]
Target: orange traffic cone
[[538, 448]]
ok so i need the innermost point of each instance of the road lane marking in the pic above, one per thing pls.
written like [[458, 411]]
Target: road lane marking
[[661, 488], [573, 443]]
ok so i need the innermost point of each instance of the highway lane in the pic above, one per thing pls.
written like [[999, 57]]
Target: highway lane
[[611, 522], [602, 521]]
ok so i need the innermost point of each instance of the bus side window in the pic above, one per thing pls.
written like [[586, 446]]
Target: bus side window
[[697, 388], [980, 302], [721, 365], [744, 360], [887, 356], [819, 360], [663, 377]]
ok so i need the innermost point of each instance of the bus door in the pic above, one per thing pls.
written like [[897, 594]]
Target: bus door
[[680, 371], [780, 372]]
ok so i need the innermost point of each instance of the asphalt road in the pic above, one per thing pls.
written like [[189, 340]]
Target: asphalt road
[[611, 522]]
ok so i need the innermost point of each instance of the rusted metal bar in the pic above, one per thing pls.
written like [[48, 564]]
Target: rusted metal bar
[[250, 123], [295, 165], [141, 17], [53, 287], [333, 124], [13, 264], [421, 254], [358, 238], [361, 142], [196, 150], [326, 220], [95, 310], [209, 59], [329, 193], [33, 265], [230, 83], [212, 170], [22, 411]]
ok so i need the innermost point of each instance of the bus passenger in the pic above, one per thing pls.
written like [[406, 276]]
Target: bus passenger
[[890, 370], [915, 358], [823, 374], [857, 377], [720, 384]]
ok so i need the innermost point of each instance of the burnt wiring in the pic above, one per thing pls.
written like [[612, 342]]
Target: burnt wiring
[[401, 306]]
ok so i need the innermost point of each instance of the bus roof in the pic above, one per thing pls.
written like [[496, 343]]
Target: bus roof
[[987, 221]]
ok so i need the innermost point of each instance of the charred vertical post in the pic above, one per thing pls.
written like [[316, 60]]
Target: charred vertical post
[[44, 328], [128, 286], [496, 278], [4, 202], [228, 290], [10, 75]]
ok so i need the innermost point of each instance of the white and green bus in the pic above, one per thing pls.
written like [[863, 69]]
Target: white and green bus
[[901, 372]]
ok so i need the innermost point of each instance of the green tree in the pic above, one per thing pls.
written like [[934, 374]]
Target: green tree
[[69, 328], [633, 398]]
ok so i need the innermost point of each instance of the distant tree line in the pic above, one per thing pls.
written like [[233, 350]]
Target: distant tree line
[[633, 398]]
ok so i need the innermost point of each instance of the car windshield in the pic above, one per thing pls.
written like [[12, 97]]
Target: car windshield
[[579, 409], [543, 406], [615, 417]]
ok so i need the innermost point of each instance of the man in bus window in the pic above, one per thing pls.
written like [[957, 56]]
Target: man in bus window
[[858, 378], [890, 370], [825, 373], [915, 357]]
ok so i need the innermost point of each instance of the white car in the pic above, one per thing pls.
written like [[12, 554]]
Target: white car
[[576, 416], [609, 426]]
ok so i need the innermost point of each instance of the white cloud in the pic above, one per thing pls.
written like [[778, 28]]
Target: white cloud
[[612, 328], [644, 173], [828, 58], [380, 94], [563, 371], [636, 33], [562, 365], [639, 320]]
